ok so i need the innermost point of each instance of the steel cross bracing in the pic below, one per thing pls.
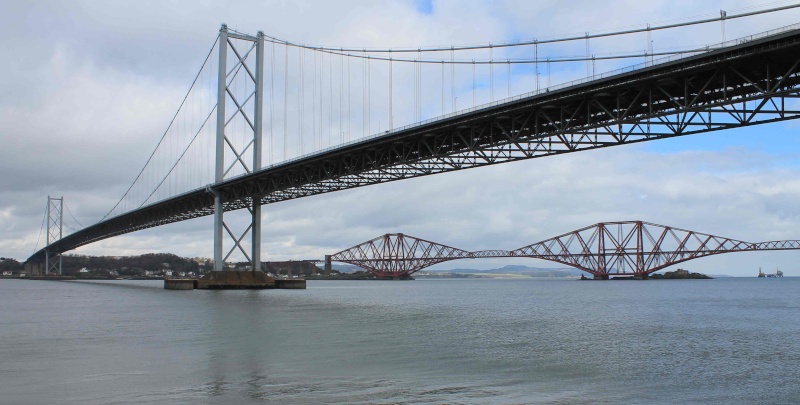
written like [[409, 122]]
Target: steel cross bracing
[[248, 108], [397, 255], [632, 248], [55, 231], [635, 247], [754, 82]]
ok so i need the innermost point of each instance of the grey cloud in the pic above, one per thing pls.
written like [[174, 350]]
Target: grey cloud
[[88, 87]]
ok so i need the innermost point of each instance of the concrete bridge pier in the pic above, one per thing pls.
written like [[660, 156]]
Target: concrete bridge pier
[[33, 268]]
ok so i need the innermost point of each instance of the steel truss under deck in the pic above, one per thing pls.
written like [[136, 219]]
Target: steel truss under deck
[[754, 82]]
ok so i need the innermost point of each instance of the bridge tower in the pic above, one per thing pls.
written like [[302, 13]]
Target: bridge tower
[[55, 230], [247, 108]]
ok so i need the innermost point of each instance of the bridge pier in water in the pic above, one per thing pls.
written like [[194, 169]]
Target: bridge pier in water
[[234, 280], [251, 115], [634, 276], [220, 278]]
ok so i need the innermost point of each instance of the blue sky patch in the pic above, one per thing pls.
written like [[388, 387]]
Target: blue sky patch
[[424, 6]]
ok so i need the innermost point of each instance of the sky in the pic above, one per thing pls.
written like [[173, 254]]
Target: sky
[[87, 88]]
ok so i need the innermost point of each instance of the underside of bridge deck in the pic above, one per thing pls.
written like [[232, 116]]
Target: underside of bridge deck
[[754, 82]]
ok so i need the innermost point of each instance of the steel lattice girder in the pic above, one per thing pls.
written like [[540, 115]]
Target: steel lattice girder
[[637, 247], [603, 249], [398, 255], [630, 247], [748, 84]]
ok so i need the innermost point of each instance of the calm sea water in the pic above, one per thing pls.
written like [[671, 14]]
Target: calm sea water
[[425, 341]]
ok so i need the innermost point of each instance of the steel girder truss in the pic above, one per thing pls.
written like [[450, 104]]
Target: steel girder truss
[[632, 248], [734, 89], [397, 255], [748, 84], [636, 247]]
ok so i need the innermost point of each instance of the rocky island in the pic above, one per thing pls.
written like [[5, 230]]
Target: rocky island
[[679, 274]]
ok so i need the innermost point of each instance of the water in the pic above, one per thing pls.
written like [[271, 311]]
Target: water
[[426, 341]]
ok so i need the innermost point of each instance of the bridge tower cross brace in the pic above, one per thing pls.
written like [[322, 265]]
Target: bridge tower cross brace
[[55, 230], [225, 93]]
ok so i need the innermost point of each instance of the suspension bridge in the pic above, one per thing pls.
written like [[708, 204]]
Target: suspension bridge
[[268, 120]]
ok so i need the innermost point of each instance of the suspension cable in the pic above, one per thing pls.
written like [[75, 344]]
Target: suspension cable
[[364, 130], [210, 51], [73, 216], [314, 143], [330, 99], [271, 105], [349, 91], [539, 41], [452, 80], [491, 73], [508, 80], [44, 218], [179, 158], [521, 61], [536, 64], [341, 97], [473, 85], [232, 80], [362, 52], [285, 101], [443, 88], [301, 100], [391, 125]]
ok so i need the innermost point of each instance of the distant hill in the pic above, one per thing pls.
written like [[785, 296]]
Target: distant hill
[[510, 269], [132, 265], [344, 268], [517, 269]]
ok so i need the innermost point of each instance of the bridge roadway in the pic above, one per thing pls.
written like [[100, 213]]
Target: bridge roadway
[[752, 81]]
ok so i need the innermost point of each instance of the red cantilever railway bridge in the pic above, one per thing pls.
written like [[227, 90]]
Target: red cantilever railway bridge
[[626, 248]]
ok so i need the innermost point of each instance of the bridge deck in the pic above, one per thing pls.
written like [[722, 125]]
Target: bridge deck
[[748, 83]]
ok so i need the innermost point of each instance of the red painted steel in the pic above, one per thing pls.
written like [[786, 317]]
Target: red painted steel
[[398, 256], [633, 248]]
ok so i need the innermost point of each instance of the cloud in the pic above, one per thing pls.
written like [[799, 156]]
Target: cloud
[[84, 101]]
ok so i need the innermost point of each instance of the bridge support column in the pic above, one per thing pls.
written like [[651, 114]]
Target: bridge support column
[[328, 265], [219, 172], [258, 124], [55, 231], [250, 113]]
